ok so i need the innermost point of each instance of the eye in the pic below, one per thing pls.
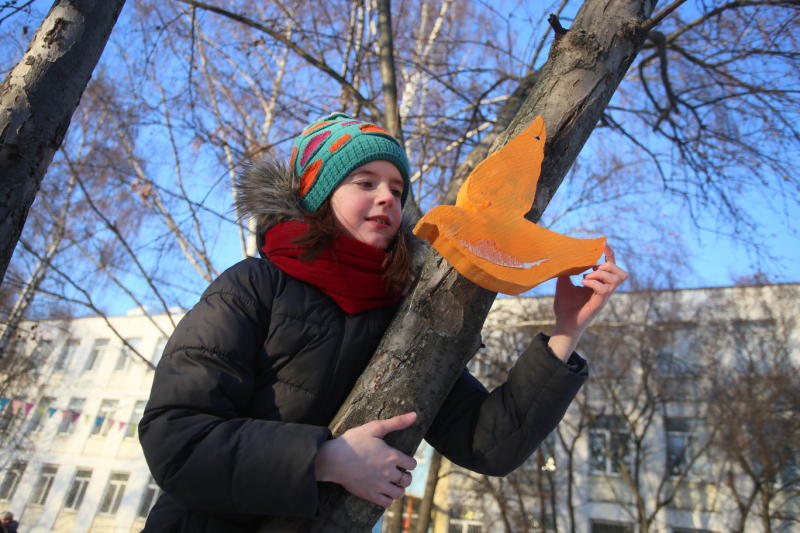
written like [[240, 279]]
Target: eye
[[397, 192]]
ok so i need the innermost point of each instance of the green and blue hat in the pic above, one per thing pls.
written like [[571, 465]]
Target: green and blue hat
[[330, 149]]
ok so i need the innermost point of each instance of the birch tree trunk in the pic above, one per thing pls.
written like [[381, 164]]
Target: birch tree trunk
[[426, 506], [437, 330], [386, 46], [37, 100]]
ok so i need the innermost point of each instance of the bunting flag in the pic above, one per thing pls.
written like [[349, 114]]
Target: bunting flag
[[66, 414]]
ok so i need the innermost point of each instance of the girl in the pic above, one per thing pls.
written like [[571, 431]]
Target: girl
[[235, 429]]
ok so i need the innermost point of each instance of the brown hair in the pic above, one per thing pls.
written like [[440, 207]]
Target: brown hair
[[323, 230]]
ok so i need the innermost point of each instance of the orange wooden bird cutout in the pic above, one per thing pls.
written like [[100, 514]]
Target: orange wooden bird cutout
[[485, 235]]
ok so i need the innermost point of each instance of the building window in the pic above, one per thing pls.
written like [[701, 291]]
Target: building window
[[66, 354], [609, 445], [678, 437], [70, 418], [684, 443], [789, 474], [77, 490], [754, 344], [40, 414], [98, 348], [544, 458], [12, 419], [43, 484], [608, 527], [11, 479], [113, 496], [42, 350], [102, 423], [457, 525], [136, 416], [19, 348], [126, 354], [151, 494], [677, 371], [158, 350], [464, 520]]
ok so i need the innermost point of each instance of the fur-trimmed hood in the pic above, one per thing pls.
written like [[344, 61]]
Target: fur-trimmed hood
[[266, 191]]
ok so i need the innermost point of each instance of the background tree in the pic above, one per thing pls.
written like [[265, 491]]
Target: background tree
[[691, 406], [38, 98], [756, 396]]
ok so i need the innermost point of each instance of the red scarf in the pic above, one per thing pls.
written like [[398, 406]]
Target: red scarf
[[349, 271]]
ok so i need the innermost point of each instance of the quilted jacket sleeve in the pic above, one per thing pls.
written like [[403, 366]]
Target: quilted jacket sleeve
[[201, 447], [494, 433]]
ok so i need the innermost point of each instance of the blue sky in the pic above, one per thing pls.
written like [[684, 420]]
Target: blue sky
[[714, 259]]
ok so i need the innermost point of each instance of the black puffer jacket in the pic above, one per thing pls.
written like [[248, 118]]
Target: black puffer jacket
[[256, 370]]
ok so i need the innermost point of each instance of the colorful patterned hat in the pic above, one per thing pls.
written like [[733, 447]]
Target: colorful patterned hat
[[331, 148]]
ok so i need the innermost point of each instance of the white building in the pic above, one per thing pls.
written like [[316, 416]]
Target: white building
[[72, 461], [642, 448], [78, 465]]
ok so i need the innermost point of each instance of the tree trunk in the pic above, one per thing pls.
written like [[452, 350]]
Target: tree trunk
[[37, 100], [437, 330], [570, 490], [540, 473], [766, 518], [394, 524], [386, 46], [551, 498], [426, 506]]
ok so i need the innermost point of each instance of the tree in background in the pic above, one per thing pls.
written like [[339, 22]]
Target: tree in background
[[755, 397], [38, 98], [692, 406]]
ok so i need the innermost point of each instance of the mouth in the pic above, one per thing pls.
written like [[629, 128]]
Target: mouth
[[380, 219]]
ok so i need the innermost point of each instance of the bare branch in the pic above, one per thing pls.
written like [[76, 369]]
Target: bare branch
[[656, 19], [321, 65]]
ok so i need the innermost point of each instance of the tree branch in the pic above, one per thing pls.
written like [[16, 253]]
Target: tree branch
[[655, 20], [88, 303], [321, 65]]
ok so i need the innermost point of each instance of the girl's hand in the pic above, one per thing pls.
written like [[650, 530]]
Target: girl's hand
[[575, 307], [364, 464]]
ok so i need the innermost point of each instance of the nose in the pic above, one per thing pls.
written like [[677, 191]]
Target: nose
[[385, 195]]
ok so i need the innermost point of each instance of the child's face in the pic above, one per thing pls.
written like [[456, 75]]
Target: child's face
[[366, 204]]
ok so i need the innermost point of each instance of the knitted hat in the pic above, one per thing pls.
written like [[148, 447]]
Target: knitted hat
[[333, 147]]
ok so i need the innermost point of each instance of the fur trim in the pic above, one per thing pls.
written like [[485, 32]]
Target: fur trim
[[266, 191]]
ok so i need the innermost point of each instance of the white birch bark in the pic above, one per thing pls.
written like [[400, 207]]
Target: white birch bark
[[37, 100]]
